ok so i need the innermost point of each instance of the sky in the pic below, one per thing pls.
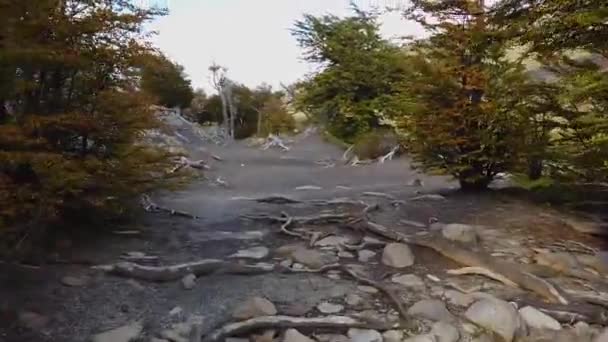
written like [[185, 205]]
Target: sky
[[251, 37]]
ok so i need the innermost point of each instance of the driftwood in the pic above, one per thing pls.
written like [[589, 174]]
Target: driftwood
[[465, 257], [388, 156], [484, 272], [152, 207], [175, 272], [285, 322], [274, 141]]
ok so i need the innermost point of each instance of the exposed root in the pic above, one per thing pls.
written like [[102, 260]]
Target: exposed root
[[324, 218], [345, 156], [175, 272], [152, 207], [484, 272], [284, 322], [274, 141]]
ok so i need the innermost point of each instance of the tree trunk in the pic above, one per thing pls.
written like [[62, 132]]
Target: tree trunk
[[225, 122], [535, 168]]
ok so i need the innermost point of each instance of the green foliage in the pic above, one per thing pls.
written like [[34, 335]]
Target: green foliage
[[166, 82], [375, 144], [359, 74], [274, 118], [73, 114]]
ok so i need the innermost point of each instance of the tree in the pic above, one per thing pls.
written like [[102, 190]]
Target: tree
[[166, 81], [457, 110], [358, 74], [571, 39], [73, 112], [220, 82]]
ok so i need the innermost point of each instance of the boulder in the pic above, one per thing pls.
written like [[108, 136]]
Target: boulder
[[189, 281], [536, 319], [460, 233], [495, 315], [364, 335], [123, 334], [431, 309], [397, 255], [254, 307], [292, 335], [445, 332], [410, 281]]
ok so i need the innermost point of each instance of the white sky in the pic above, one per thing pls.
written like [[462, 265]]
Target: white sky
[[251, 37]]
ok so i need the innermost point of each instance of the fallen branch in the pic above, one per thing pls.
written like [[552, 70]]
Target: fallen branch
[[345, 156], [175, 272], [152, 207], [274, 141], [389, 156], [285, 322], [379, 194], [484, 272]]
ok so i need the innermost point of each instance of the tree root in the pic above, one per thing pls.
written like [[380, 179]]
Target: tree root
[[152, 207], [284, 322], [388, 156], [484, 272], [175, 272]]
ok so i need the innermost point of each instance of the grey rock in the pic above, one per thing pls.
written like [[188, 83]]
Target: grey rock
[[297, 309], [331, 338], [346, 255], [259, 252], [286, 263], [445, 332], [353, 299], [292, 335], [173, 336], [411, 281], [536, 319], [364, 335], [460, 233], [422, 338], [175, 311], [333, 241], [367, 289], [75, 281], [495, 315], [365, 255], [254, 307], [397, 255], [297, 266], [603, 337], [33, 321], [392, 336], [309, 257], [189, 281], [123, 334], [431, 309], [329, 308]]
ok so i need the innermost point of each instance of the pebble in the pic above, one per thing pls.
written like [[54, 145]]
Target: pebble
[[397, 255], [329, 308], [189, 281], [292, 335], [364, 335], [431, 309], [73, 281], [367, 289], [254, 307]]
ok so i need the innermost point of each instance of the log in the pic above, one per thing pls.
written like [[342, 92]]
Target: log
[[285, 322], [175, 272]]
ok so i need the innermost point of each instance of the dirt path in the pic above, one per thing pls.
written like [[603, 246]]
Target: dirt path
[[102, 302]]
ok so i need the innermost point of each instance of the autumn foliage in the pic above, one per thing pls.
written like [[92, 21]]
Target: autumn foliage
[[71, 113]]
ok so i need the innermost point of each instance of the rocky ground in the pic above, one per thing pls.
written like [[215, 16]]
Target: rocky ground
[[295, 246]]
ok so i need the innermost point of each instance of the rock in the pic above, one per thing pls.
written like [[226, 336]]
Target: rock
[[189, 281], [421, 338], [292, 335], [33, 321], [73, 281], [266, 336], [603, 337], [175, 311], [329, 308], [334, 276], [353, 299], [365, 255], [458, 298], [254, 307], [173, 336], [288, 250], [309, 257], [445, 332], [333, 241], [392, 336], [331, 338], [297, 309], [397, 255], [561, 262], [367, 289], [460, 233], [495, 315], [538, 320], [364, 335], [308, 187], [297, 266], [411, 281], [431, 309], [234, 339], [257, 253], [123, 334], [346, 255], [428, 197], [286, 263]]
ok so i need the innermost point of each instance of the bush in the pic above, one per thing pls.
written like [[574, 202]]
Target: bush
[[375, 144]]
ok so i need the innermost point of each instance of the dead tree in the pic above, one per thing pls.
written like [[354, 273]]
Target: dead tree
[[219, 81]]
